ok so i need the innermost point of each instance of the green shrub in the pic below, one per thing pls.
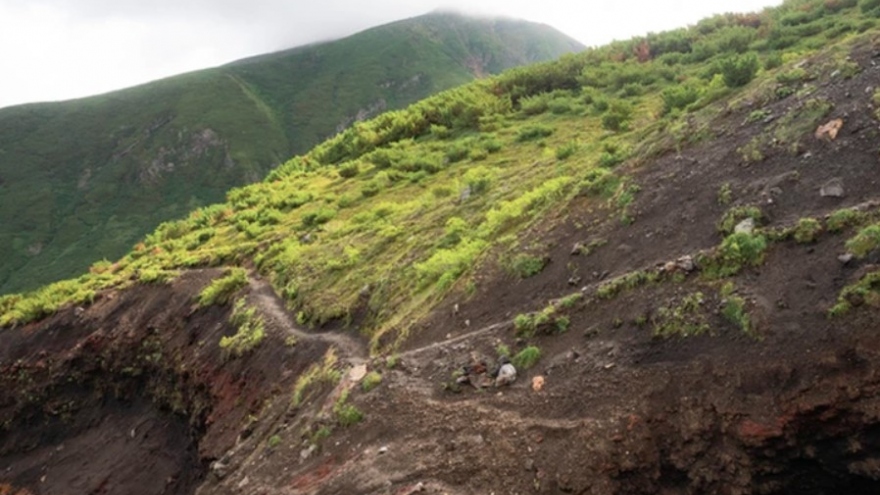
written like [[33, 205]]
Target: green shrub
[[678, 97], [457, 152], [734, 309], [525, 266], [325, 372], [773, 61], [562, 323], [317, 217], [866, 241], [628, 281], [492, 145], [559, 106], [570, 300], [221, 290], [532, 132], [503, 350], [348, 170], [807, 230], [446, 265], [567, 150], [869, 6], [844, 218], [534, 105], [725, 194], [684, 319], [442, 192], [865, 291], [249, 330], [738, 70], [792, 77], [600, 105], [346, 414], [527, 326], [739, 250], [611, 159], [617, 117], [371, 381], [526, 358], [478, 179], [371, 189]]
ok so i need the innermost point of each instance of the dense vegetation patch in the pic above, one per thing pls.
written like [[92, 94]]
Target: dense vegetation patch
[[381, 221]]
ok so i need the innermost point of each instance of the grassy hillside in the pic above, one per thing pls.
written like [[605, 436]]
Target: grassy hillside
[[83, 180], [374, 227]]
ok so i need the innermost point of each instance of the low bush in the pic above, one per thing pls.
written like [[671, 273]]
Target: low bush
[[371, 381], [734, 309], [678, 97], [533, 132], [866, 241], [738, 251], [738, 70], [348, 170], [325, 372], [526, 358], [346, 414], [842, 219], [807, 230], [865, 291], [525, 265], [249, 333], [567, 150], [685, 319], [221, 290], [870, 7], [617, 117]]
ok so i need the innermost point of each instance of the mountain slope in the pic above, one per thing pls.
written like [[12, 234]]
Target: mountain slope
[[83, 180], [674, 239]]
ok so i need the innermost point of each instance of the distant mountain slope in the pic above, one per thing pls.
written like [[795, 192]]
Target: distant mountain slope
[[84, 179]]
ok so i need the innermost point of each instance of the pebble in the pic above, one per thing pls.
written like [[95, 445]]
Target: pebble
[[538, 383]]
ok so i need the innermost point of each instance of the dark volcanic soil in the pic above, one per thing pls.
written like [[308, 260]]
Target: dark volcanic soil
[[132, 395]]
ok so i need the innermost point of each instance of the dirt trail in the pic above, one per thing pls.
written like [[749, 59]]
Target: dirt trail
[[273, 308], [455, 340]]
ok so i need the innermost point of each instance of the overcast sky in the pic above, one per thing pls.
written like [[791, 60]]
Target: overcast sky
[[61, 49]]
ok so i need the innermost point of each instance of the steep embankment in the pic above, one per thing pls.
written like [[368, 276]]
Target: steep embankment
[[680, 261], [83, 180]]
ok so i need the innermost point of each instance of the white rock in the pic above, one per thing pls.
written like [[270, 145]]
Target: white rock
[[747, 226], [358, 373], [506, 375]]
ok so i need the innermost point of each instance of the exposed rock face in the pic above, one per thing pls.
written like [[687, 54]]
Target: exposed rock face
[[362, 114], [190, 148]]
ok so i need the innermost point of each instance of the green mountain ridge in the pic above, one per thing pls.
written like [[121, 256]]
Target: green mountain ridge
[[84, 179]]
